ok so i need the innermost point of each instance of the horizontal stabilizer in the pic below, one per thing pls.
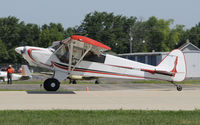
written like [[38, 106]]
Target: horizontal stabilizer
[[158, 72]]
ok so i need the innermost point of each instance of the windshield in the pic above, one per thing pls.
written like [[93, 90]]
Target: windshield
[[63, 54], [55, 45]]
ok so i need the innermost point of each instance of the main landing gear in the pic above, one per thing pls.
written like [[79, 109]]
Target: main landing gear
[[51, 84], [178, 87], [97, 81], [72, 81]]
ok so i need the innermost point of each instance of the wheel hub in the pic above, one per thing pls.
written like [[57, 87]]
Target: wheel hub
[[53, 84]]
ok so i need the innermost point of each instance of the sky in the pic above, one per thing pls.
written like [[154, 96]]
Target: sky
[[72, 12]]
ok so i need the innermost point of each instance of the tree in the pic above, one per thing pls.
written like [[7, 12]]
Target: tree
[[3, 52], [109, 29], [116, 31], [193, 35], [175, 36], [139, 37], [158, 33], [53, 32], [70, 31], [9, 31]]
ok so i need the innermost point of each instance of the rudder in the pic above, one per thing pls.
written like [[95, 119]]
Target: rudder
[[174, 63], [26, 74]]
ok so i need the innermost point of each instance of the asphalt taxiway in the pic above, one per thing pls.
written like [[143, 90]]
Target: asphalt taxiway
[[123, 96]]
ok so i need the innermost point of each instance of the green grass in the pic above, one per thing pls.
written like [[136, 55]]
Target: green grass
[[166, 82], [92, 82], [109, 117], [41, 82]]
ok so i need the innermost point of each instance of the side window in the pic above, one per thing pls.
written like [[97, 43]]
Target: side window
[[94, 58], [76, 55], [63, 54]]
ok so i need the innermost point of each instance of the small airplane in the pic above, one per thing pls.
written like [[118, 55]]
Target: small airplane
[[15, 76], [80, 57]]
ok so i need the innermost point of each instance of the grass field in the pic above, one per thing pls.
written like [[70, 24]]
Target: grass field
[[92, 82], [109, 117], [164, 82], [41, 82]]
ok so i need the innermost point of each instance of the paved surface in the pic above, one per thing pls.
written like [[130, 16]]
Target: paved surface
[[116, 96]]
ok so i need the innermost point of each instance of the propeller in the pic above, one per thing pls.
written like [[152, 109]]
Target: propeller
[[23, 50]]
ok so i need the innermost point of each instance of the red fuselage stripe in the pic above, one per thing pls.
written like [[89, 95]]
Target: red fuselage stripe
[[101, 72]]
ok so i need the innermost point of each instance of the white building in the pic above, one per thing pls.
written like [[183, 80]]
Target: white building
[[191, 52]]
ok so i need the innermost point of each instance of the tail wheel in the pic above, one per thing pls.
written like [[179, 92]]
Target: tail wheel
[[179, 88], [51, 84]]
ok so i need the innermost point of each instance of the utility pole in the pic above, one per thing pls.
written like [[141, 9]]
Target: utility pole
[[131, 44], [131, 41]]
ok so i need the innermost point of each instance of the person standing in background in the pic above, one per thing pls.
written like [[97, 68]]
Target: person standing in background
[[10, 70]]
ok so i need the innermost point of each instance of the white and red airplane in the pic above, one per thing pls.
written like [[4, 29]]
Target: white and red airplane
[[79, 57]]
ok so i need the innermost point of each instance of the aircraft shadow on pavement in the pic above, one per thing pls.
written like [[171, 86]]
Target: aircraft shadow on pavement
[[49, 92]]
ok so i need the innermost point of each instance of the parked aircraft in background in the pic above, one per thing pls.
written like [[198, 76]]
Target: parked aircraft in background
[[25, 74], [79, 57]]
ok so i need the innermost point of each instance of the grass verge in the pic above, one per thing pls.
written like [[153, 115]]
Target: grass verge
[[92, 82], [101, 117], [166, 82], [41, 82]]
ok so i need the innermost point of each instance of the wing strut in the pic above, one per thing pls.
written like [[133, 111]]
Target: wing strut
[[70, 69], [82, 57], [70, 57]]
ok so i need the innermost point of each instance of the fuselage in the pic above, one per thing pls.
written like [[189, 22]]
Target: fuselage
[[79, 57], [108, 66]]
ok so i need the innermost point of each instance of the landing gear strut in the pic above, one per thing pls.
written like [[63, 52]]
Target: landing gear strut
[[178, 87], [97, 81], [72, 81], [51, 84]]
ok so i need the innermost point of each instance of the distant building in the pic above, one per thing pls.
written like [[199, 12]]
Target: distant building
[[191, 52], [192, 56]]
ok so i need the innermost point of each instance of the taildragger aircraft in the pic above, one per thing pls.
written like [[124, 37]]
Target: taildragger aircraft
[[79, 57]]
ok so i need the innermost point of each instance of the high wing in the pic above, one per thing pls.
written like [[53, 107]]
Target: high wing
[[86, 43], [99, 46]]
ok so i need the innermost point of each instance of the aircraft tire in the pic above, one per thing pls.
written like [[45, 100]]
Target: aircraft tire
[[179, 88], [51, 84]]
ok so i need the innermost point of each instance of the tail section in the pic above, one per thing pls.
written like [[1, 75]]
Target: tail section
[[26, 74], [173, 65]]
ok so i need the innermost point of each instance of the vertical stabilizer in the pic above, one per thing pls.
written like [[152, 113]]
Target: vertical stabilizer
[[25, 71], [174, 63]]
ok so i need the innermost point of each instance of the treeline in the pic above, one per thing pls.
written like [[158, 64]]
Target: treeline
[[116, 31]]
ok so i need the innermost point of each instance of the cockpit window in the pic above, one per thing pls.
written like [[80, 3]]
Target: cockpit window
[[90, 56], [55, 45], [76, 55], [63, 54]]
